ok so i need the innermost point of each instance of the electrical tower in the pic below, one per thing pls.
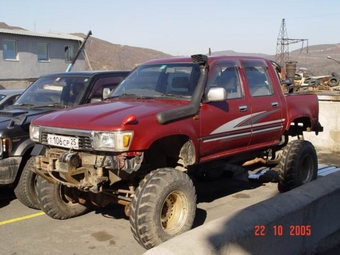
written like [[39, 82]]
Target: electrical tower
[[282, 46]]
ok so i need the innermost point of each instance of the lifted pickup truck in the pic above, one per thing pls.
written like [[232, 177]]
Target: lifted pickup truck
[[49, 93], [169, 117]]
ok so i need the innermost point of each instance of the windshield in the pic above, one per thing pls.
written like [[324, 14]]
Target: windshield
[[161, 80], [54, 91]]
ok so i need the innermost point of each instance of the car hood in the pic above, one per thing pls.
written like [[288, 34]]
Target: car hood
[[23, 119], [8, 114], [109, 115]]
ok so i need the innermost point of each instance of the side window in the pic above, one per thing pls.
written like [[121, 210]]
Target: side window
[[43, 51], [258, 82], [227, 77], [9, 50], [69, 53]]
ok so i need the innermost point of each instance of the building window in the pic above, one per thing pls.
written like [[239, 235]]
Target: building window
[[9, 49], [69, 53], [42, 51]]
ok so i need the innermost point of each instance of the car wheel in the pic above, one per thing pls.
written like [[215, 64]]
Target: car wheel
[[298, 165], [164, 206], [58, 201], [25, 190]]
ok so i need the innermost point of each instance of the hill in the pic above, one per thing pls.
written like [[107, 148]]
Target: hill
[[104, 55]]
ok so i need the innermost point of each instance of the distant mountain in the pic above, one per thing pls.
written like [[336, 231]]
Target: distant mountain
[[234, 53], [5, 26], [315, 58], [105, 55]]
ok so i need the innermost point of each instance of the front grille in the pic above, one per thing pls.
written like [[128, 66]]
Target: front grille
[[84, 137]]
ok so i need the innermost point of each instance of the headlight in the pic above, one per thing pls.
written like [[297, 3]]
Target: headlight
[[35, 133], [5, 145], [116, 141]]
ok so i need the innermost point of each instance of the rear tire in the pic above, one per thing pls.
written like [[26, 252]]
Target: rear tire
[[299, 165], [59, 201], [25, 190], [164, 206]]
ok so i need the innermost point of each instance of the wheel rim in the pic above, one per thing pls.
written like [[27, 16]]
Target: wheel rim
[[174, 212], [306, 169]]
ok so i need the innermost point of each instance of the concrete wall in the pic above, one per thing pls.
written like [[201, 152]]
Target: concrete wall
[[329, 115], [28, 66], [314, 206]]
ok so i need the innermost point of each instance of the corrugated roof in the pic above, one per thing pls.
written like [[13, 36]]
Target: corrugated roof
[[46, 35]]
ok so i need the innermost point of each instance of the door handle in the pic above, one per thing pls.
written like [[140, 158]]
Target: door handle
[[243, 108], [275, 104]]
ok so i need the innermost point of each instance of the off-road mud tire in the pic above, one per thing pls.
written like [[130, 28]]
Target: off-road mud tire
[[25, 190], [58, 201], [164, 206], [298, 165]]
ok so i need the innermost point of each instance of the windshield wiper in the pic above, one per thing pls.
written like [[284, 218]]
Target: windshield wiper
[[173, 95], [126, 95], [50, 105], [13, 105]]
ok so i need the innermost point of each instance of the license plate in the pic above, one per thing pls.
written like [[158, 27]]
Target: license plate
[[63, 141]]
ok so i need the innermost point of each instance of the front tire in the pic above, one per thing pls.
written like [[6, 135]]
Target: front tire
[[25, 191], [299, 165], [164, 206], [59, 201]]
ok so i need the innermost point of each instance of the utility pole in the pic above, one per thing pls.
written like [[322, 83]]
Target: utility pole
[[282, 45]]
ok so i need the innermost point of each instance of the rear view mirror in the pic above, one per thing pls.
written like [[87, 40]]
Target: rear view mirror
[[106, 93], [216, 94]]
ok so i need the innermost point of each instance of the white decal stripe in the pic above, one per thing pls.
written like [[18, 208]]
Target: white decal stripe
[[267, 129], [228, 137], [242, 135], [232, 124], [268, 122]]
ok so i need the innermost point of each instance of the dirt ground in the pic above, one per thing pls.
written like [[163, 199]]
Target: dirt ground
[[328, 158]]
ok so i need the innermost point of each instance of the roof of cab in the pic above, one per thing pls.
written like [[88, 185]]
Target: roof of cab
[[86, 73], [188, 59]]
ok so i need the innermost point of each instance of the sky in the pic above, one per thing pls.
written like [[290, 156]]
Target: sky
[[183, 27]]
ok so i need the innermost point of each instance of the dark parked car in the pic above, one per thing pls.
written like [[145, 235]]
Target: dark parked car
[[50, 92], [9, 96]]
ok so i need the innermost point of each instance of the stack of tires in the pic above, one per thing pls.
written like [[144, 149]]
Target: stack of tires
[[334, 80]]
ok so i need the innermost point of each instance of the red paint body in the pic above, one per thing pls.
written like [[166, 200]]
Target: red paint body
[[211, 141]]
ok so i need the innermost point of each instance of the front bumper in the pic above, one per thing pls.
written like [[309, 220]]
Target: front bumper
[[9, 168]]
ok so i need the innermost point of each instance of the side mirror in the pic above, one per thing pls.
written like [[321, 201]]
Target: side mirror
[[216, 94], [106, 93]]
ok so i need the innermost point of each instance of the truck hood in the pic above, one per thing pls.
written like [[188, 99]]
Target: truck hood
[[7, 115], [109, 115]]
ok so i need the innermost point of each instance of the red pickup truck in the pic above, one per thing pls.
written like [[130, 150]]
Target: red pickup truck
[[141, 146]]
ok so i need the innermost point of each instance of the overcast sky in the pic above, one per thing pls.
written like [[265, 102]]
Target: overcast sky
[[183, 27]]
